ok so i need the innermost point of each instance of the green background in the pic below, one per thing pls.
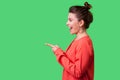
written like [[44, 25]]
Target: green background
[[25, 25]]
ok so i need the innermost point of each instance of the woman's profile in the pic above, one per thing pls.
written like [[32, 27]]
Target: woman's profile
[[78, 59]]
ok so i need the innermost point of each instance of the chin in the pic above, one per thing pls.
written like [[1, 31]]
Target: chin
[[72, 33]]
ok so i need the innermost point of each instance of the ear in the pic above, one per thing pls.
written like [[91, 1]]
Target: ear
[[81, 23]]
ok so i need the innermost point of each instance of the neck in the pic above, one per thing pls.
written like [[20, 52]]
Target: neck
[[81, 34]]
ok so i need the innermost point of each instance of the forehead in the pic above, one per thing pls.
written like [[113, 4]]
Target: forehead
[[71, 15]]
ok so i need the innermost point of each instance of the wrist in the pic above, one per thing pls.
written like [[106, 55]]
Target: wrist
[[55, 48]]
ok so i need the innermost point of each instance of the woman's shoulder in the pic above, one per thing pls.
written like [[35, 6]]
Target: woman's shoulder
[[85, 41]]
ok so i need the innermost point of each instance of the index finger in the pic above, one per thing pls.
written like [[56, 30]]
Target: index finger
[[49, 44]]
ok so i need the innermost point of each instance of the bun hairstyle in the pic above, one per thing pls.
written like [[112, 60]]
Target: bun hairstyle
[[88, 6], [83, 13]]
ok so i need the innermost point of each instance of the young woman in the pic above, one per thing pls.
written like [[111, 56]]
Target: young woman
[[78, 59]]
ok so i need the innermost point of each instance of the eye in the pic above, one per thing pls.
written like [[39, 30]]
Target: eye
[[70, 20]]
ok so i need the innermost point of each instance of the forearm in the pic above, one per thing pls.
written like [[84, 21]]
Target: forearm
[[73, 68]]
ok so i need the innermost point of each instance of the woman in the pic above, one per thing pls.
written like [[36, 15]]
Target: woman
[[78, 59]]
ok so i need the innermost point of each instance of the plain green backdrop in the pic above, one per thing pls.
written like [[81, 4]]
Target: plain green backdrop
[[25, 25]]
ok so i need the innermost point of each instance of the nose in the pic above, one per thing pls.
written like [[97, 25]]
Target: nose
[[67, 23]]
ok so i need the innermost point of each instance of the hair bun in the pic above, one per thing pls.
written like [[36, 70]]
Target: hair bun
[[88, 6]]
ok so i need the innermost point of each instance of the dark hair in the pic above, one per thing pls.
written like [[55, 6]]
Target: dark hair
[[83, 13]]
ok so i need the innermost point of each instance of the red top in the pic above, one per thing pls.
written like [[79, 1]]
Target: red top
[[77, 60]]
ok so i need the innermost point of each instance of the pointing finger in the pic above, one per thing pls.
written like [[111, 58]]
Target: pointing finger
[[47, 44]]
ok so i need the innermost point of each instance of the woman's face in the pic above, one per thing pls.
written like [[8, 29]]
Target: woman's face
[[73, 23]]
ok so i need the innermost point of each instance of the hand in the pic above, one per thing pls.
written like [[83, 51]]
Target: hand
[[54, 47]]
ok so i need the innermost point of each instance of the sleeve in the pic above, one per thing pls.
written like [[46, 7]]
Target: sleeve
[[81, 63]]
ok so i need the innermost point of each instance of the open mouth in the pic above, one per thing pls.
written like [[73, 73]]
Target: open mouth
[[70, 28]]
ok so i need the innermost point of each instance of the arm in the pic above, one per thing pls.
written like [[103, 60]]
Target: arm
[[81, 63]]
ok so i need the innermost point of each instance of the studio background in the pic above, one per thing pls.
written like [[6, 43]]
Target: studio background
[[25, 25]]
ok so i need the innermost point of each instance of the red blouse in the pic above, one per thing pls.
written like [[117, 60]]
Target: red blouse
[[77, 60]]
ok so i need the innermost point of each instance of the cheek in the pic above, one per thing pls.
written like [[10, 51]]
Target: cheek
[[76, 26], [73, 24]]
